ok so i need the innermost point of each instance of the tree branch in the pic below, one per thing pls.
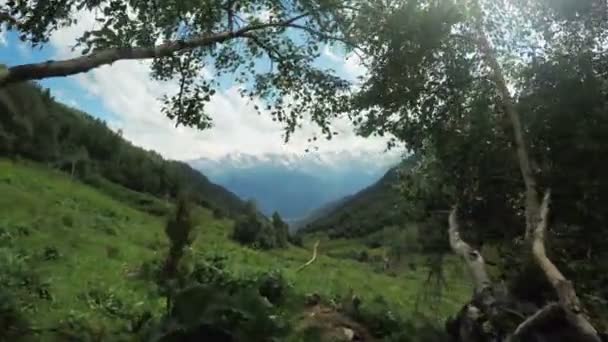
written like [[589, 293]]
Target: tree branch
[[324, 35], [524, 159], [7, 18], [471, 256], [94, 60], [538, 317], [269, 49], [563, 287]]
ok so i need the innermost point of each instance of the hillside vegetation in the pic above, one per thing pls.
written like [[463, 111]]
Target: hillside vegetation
[[368, 211], [73, 259], [35, 126]]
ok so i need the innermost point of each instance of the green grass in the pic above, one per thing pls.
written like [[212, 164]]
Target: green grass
[[102, 241]]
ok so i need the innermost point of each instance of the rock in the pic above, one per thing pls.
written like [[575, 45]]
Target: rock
[[349, 334]]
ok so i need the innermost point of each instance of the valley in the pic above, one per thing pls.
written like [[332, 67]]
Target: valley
[[303, 171], [84, 253]]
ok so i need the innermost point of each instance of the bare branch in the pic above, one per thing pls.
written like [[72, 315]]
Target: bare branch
[[540, 316]]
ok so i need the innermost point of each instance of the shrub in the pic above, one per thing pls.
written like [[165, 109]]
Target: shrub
[[273, 287], [180, 231], [50, 253], [281, 230], [296, 240], [67, 220], [251, 230], [247, 229], [210, 313], [383, 323], [363, 256], [113, 252], [218, 213], [12, 322]]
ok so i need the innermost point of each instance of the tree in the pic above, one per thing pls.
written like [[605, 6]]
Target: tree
[[269, 48], [281, 230], [181, 234], [439, 80]]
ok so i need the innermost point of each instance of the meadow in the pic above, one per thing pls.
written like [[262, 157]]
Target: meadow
[[72, 254]]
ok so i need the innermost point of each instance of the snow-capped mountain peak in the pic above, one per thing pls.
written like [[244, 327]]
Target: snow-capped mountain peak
[[295, 184]]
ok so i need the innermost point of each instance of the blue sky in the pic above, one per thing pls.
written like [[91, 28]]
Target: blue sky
[[67, 90], [125, 96]]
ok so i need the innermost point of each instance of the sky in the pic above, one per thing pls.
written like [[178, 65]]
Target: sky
[[124, 95]]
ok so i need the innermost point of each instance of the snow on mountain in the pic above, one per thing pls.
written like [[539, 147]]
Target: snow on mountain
[[296, 184]]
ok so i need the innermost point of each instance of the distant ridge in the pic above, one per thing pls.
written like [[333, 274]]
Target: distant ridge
[[368, 211], [295, 185]]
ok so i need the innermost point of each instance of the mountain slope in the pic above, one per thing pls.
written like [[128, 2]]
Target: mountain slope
[[370, 210], [318, 213], [83, 254], [294, 185], [33, 125]]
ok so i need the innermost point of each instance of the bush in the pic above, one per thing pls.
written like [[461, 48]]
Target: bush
[[218, 213], [50, 253], [251, 230], [246, 230], [296, 240], [67, 220], [12, 322], [363, 256], [273, 287], [113, 252], [383, 323], [211, 313], [180, 231]]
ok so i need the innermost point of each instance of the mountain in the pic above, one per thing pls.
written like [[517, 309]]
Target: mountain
[[318, 213], [367, 211], [295, 184], [35, 126]]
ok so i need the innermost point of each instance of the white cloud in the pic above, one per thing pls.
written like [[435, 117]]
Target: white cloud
[[126, 90], [350, 64], [3, 40], [353, 65]]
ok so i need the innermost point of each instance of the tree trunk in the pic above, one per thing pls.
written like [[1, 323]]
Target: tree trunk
[[562, 286], [532, 197], [536, 215]]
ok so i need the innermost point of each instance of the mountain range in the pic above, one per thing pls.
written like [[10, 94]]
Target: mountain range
[[369, 210], [295, 185]]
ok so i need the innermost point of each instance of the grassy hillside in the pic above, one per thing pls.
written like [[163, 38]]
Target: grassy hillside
[[71, 256], [35, 126]]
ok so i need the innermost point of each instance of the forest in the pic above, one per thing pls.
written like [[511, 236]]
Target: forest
[[500, 199]]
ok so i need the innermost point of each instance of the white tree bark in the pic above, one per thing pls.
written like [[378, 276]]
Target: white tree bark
[[536, 214], [471, 256], [563, 287], [532, 197]]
